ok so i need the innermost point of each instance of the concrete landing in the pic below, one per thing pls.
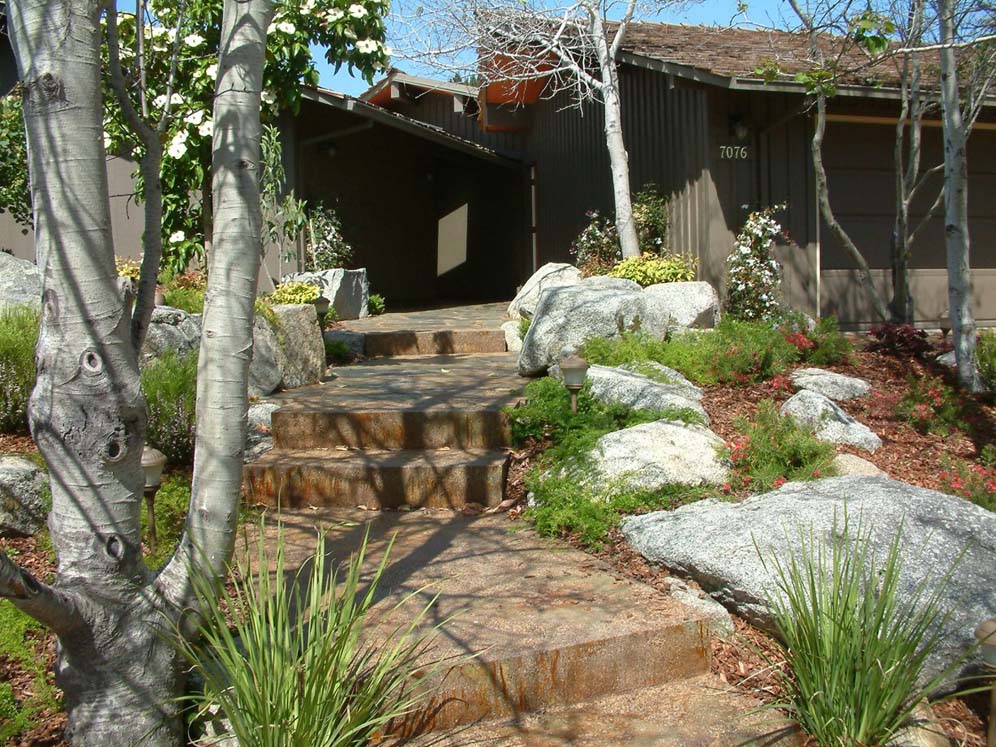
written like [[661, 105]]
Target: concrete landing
[[455, 330], [546, 624]]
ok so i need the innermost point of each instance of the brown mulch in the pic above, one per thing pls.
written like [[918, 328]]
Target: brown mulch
[[13, 444]]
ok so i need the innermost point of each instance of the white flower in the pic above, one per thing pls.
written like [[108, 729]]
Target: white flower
[[334, 15], [195, 118], [357, 11], [178, 145], [212, 71], [107, 141], [308, 7], [177, 236], [287, 27], [269, 97], [206, 128], [193, 40], [366, 46], [388, 52], [160, 100]]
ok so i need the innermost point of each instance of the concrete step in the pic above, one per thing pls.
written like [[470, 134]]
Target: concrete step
[[526, 623], [697, 712], [434, 342], [409, 428], [442, 478]]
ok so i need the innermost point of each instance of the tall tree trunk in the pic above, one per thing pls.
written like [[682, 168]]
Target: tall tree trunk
[[618, 157], [826, 211], [87, 412], [112, 616], [956, 209]]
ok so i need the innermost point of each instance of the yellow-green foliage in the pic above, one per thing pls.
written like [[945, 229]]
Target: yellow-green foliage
[[651, 269], [128, 268], [18, 337], [294, 293]]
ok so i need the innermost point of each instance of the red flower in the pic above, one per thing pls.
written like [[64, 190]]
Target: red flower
[[778, 482]]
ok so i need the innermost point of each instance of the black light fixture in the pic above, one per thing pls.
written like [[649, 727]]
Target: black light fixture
[[738, 128]]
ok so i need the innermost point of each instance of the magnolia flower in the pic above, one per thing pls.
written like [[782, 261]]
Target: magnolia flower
[[206, 128], [161, 100], [178, 145], [195, 118], [269, 97], [334, 15], [357, 11], [367, 46], [212, 71], [177, 236], [193, 40], [284, 26]]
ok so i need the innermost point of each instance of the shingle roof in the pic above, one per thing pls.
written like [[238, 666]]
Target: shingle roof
[[738, 53]]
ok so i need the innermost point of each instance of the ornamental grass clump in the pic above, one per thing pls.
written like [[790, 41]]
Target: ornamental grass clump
[[289, 658], [855, 644], [753, 276], [18, 338]]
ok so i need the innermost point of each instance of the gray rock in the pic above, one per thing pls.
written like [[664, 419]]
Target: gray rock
[[513, 343], [692, 304], [23, 493], [300, 347], [603, 282], [619, 386], [849, 465], [569, 316], [665, 375], [356, 342], [651, 456], [720, 621], [265, 373], [348, 291], [20, 282], [550, 275], [171, 330], [260, 420], [831, 385], [828, 421], [713, 542], [949, 359]]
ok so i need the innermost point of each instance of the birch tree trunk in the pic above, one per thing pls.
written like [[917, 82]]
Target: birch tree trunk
[[956, 208], [112, 615], [618, 157]]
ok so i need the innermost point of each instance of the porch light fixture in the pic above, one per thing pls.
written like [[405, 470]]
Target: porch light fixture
[[986, 635], [321, 308], [153, 462], [574, 369], [738, 128]]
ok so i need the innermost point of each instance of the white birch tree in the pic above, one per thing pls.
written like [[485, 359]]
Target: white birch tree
[[570, 48], [111, 613]]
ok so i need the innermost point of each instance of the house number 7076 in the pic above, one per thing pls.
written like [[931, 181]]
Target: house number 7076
[[733, 152]]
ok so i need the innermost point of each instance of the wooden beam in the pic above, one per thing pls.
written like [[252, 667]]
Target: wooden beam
[[891, 121]]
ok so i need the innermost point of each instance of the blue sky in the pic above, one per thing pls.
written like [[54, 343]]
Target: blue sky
[[709, 12]]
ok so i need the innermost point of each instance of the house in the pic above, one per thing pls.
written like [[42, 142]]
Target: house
[[702, 124]]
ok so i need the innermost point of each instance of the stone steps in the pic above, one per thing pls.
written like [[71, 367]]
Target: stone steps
[[433, 342], [440, 478]]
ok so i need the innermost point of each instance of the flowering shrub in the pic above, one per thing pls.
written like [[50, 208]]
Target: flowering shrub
[[327, 249], [931, 406], [650, 212], [650, 269], [772, 450], [18, 337], [976, 482], [753, 275], [899, 340], [596, 249], [821, 343]]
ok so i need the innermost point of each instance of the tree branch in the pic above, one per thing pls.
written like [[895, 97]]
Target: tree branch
[[939, 47], [52, 608], [152, 237]]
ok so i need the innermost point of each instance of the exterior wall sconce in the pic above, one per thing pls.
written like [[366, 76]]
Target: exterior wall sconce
[[153, 462], [738, 128], [321, 308], [986, 635], [574, 369]]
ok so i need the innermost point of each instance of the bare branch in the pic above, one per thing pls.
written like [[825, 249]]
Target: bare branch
[[52, 608], [950, 45]]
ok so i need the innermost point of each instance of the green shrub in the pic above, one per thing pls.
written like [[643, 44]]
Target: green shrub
[[18, 338], [931, 406], [524, 324], [824, 345], [190, 300], [288, 657], [986, 353], [736, 352], [294, 293], [172, 501], [773, 450], [327, 248], [338, 352], [596, 249], [976, 482], [753, 276], [563, 507], [651, 269], [170, 387], [376, 304], [856, 650], [650, 212]]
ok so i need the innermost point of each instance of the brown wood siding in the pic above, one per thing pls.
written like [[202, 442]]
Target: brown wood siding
[[437, 109]]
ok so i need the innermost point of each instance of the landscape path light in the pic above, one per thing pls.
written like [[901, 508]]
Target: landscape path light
[[986, 635], [574, 368], [153, 462]]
